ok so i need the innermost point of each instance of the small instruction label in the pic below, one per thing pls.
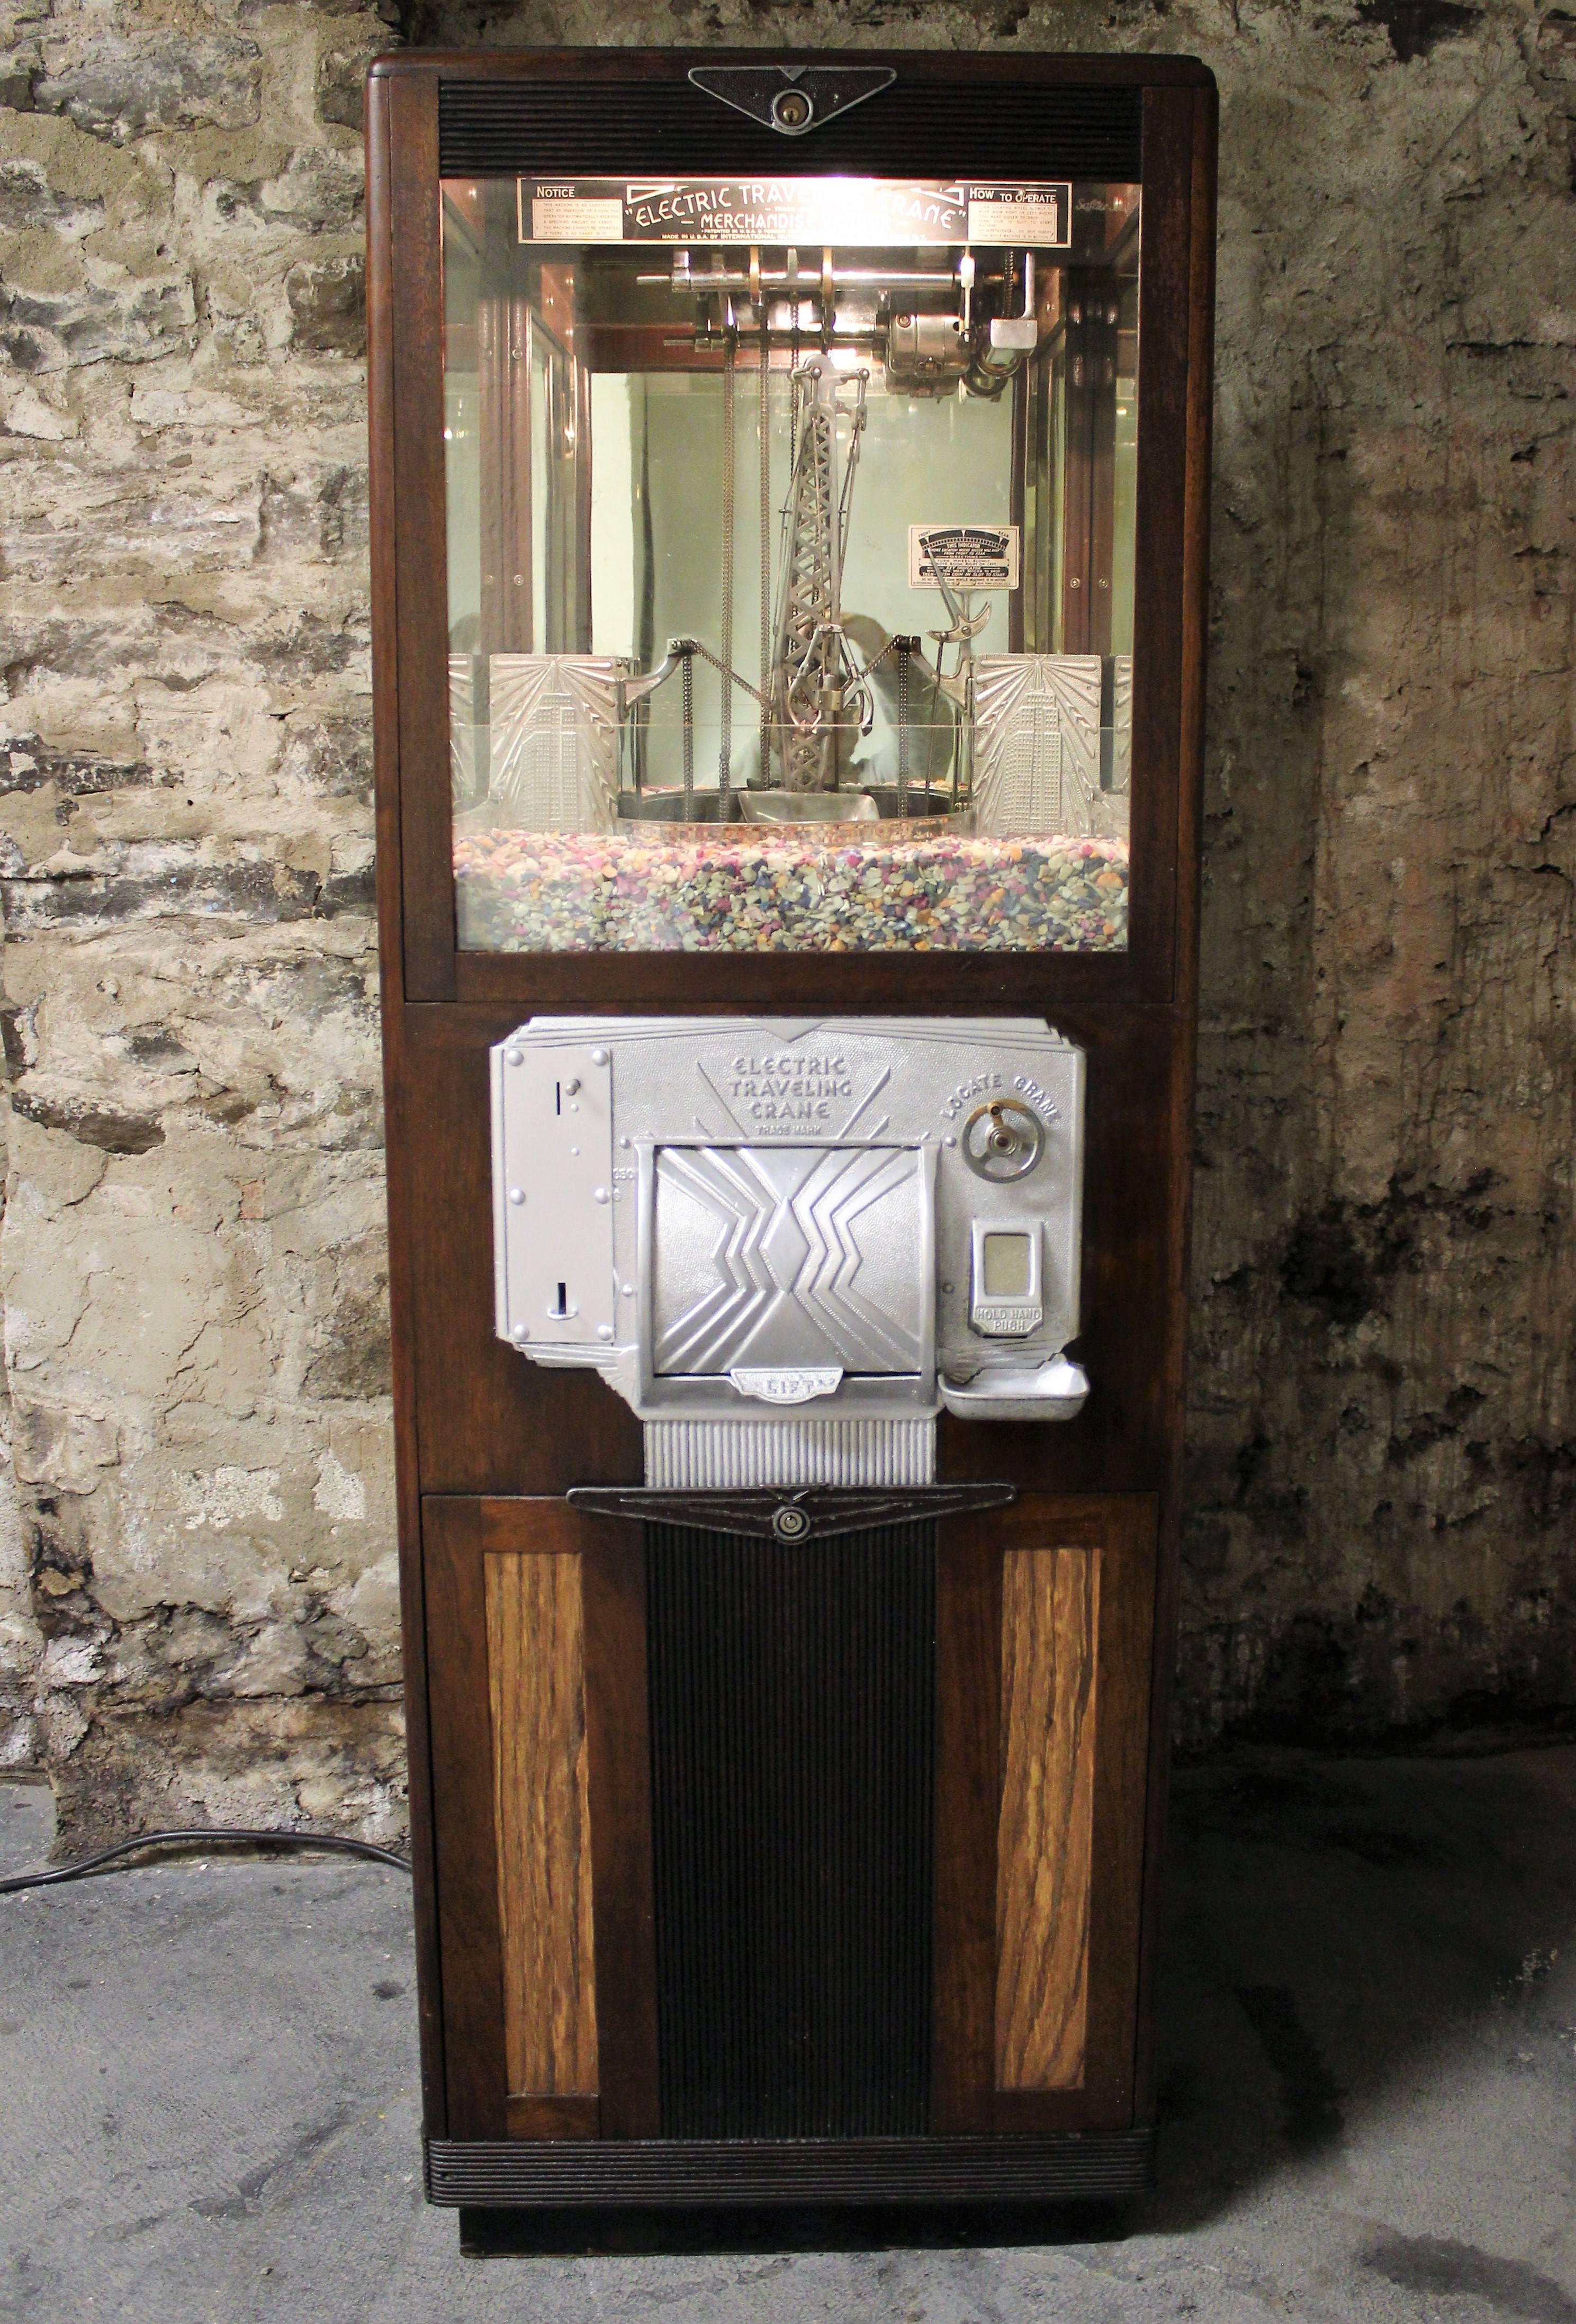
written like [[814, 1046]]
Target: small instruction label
[[1040, 217], [963, 556], [574, 217]]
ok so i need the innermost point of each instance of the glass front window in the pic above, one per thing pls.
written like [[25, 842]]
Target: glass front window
[[790, 563]]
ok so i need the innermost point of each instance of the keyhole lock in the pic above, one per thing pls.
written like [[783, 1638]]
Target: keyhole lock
[[1002, 1141], [789, 1523], [791, 110]]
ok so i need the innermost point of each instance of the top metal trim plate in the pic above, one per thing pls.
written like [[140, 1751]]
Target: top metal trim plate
[[792, 99]]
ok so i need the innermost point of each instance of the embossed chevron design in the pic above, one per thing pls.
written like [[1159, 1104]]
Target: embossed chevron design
[[788, 1256]]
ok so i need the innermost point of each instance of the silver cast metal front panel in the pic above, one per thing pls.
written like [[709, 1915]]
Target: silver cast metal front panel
[[790, 1256], [766, 1232]]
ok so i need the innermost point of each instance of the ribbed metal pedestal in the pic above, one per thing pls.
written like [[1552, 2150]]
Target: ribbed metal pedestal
[[1092, 2166]]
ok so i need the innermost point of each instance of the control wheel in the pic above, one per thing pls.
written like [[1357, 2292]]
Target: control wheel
[[1002, 1141]]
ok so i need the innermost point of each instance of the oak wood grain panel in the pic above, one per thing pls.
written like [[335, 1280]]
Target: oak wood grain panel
[[537, 1682], [1118, 1529], [469, 1940], [1050, 1616]]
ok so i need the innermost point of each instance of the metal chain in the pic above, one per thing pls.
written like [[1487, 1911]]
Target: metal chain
[[725, 736], [693, 646], [686, 684], [765, 542], [903, 667]]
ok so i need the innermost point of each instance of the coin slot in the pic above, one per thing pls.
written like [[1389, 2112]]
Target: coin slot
[[1005, 1301], [1008, 1265]]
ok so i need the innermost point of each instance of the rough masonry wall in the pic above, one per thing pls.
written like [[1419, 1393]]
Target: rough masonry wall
[[197, 1589], [204, 1594]]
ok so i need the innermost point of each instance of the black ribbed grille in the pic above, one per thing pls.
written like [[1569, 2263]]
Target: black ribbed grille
[[918, 129], [792, 1730]]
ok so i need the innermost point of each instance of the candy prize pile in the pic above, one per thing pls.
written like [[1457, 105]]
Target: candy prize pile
[[787, 889]]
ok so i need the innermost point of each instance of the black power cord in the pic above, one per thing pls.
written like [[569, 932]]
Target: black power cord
[[203, 1838]]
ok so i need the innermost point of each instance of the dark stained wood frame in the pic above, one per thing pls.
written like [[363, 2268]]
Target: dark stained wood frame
[[472, 1421]]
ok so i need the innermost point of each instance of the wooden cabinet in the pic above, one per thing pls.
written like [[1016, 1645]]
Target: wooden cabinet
[[750, 1871]]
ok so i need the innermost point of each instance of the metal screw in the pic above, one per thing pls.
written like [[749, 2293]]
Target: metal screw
[[599, 1056], [574, 1151], [629, 1290], [520, 1333], [516, 1194], [599, 1194], [605, 1331], [514, 1056]]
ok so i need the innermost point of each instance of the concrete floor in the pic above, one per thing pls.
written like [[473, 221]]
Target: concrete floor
[[209, 2082]]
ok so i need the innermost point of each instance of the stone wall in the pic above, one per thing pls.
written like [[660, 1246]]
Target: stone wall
[[194, 1275], [196, 1576]]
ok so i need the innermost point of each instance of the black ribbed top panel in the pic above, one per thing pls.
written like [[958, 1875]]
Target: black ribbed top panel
[[792, 1735], [501, 128]]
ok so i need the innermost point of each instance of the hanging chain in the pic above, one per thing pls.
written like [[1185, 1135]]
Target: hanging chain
[[764, 319], [903, 728], [696, 646], [726, 738], [686, 684]]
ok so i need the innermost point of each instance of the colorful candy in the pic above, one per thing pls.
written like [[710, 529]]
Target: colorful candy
[[787, 889]]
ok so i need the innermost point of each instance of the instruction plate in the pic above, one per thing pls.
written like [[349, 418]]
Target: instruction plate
[[872, 212], [963, 556]]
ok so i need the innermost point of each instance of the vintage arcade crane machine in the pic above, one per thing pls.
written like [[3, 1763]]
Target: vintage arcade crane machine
[[790, 501]]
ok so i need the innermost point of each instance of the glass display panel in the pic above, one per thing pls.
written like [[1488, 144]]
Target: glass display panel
[[790, 535]]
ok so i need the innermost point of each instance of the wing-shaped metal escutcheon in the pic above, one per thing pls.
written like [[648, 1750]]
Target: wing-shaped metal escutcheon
[[792, 98], [802, 1513]]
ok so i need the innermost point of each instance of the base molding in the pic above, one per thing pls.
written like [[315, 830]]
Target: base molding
[[1075, 2166]]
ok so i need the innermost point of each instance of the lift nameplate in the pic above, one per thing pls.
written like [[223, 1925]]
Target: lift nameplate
[[874, 212]]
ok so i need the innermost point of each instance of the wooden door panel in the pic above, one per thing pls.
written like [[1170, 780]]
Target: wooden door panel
[[1050, 1628], [537, 1654], [536, 1673], [1044, 1620]]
